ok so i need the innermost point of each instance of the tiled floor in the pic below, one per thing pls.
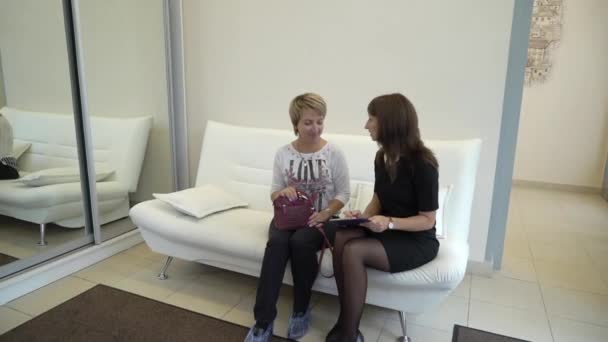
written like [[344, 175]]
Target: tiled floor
[[553, 286], [19, 238]]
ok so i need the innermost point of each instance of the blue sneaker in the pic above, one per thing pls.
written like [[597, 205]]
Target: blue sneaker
[[298, 325], [256, 334]]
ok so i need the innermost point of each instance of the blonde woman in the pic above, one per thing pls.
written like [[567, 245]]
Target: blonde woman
[[316, 167]]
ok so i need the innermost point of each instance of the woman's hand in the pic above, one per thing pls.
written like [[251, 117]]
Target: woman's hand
[[352, 213], [318, 218], [289, 192], [377, 223]]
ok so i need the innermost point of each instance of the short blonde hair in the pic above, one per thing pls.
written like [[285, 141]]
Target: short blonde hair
[[305, 101]]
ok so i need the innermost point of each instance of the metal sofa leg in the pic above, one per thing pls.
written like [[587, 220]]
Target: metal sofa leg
[[163, 275], [403, 338], [42, 241]]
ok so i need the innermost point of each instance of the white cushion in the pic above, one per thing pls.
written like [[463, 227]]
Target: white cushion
[[19, 148], [442, 224], [365, 193], [61, 175], [201, 201]]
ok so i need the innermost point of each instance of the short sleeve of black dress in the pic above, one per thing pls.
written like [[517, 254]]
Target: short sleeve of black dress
[[415, 188]]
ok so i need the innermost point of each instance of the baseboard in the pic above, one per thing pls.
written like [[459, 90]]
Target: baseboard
[[45, 274], [555, 186], [480, 268]]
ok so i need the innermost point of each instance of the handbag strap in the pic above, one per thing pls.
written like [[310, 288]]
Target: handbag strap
[[326, 244]]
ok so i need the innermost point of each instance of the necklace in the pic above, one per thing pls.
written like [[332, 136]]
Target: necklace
[[305, 161]]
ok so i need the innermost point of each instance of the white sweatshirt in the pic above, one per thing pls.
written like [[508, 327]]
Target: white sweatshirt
[[322, 174]]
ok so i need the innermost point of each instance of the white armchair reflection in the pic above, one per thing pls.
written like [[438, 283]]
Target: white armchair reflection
[[119, 145]]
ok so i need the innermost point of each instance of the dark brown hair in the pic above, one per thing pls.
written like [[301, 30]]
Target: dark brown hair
[[398, 133]]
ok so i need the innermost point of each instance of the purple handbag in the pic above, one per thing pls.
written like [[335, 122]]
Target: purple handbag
[[290, 215]]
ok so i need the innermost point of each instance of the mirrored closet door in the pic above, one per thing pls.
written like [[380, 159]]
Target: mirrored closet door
[[124, 62], [42, 206]]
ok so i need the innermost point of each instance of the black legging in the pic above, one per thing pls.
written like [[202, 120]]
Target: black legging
[[300, 246], [8, 172], [353, 252]]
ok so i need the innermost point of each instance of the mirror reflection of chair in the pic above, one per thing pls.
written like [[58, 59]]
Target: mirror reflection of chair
[[119, 145]]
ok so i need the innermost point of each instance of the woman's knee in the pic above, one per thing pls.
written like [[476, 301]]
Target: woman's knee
[[341, 238], [366, 252], [308, 244], [278, 240], [353, 249], [344, 236]]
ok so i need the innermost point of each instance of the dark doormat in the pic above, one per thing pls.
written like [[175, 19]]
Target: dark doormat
[[6, 259], [466, 334], [107, 314]]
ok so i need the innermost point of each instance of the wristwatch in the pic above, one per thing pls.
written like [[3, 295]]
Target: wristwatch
[[391, 225]]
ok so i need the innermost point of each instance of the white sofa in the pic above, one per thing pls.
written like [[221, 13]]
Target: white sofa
[[240, 159], [118, 144]]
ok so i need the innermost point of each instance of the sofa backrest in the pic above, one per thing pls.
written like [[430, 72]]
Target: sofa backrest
[[240, 160], [118, 143]]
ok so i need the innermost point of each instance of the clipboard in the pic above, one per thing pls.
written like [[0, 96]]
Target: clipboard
[[349, 222]]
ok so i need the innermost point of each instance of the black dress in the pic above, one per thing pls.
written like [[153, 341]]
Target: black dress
[[415, 189]]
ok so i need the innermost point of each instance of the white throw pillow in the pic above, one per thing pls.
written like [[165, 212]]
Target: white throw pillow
[[61, 175], [201, 201], [20, 148], [365, 193]]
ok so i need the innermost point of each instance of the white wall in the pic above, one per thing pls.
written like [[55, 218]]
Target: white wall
[[2, 95], [34, 56], [563, 127], [124, 56], [246, 60]]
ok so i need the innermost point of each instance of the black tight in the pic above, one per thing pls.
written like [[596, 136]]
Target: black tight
[[299, 246], [353, 252]]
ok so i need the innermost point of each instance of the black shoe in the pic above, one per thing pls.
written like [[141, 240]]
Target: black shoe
[[333, 335], [360, 336]]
